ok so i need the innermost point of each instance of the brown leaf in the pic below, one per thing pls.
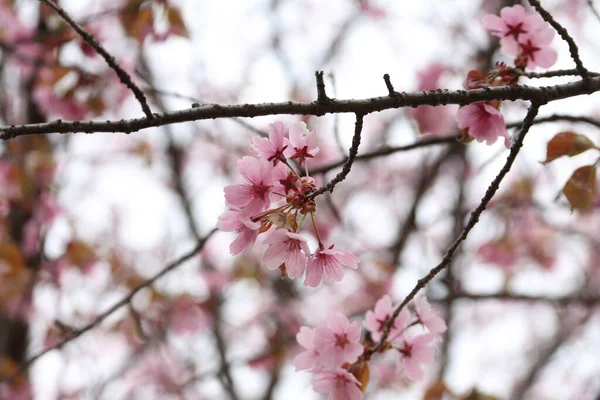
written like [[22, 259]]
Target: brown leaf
[[176, 21], [567, 144], [581, 188], [436, 391]]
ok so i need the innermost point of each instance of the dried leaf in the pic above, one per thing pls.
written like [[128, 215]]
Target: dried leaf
[[436, 391], [567, 144], [176, 21], [581, 187]]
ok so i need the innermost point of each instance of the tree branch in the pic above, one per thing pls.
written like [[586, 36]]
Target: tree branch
[[538, 95], [123, 302], [110, 60], [474, 218]]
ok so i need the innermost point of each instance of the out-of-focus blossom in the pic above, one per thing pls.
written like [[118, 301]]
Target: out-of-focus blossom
[[413, 353], [328, 264], [338, 341], [309, 358], [233, 221], [375, 321], [338, 384], [286, 248], [427, 317], [433, 120], [483, 122]]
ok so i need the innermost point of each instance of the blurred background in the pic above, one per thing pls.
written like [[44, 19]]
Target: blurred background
[[87, 219]]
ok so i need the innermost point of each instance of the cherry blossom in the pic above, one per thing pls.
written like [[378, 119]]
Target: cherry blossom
[[427, 317], [327, 264], [338, 341], [255, 194], [233, 221], [375, 320], [413, 353], [433, 120], [526, 37], [288, 248], [273, 147], [484, 122], [513, 23], [339, 384], [303, 143], [309, 358]]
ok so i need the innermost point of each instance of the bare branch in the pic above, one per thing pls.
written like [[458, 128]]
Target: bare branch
[[110, 60], [123, 302], [474, 218], [539, 95], [348, 165]]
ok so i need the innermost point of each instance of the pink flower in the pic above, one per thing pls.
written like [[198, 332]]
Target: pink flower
[[327, 264], [338, 383], [433, 120], [484, 122], [527, 36], [234, 221], [255, 194], [303, 143], [287, 248], [413, 352], [427, 317], [375, 320], [272, 148], [309, 358], [513, 23], [338, 341], [535, 49]]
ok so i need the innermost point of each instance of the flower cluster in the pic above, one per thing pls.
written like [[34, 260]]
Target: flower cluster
[[275, 199], [527, 38], [339, 362]]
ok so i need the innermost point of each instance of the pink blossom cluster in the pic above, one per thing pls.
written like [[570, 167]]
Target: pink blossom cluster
[[329, 349], [274, 199], [526, 37], [414, 347], [334, 354]]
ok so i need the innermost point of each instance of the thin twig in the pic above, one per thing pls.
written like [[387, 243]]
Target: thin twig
[[321, 94], [560, 117], [387, 151], [348, 165], [123, 302], [564, 34], [474, 218], [110, 60]]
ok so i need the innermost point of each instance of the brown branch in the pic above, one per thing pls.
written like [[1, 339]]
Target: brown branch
[[348, 165], [474, 218], [110, 60], [538, 95], [561, 338], [385, 151], [564, 34], [560, 117], [123, 302], [552, 74], [321, 94]]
